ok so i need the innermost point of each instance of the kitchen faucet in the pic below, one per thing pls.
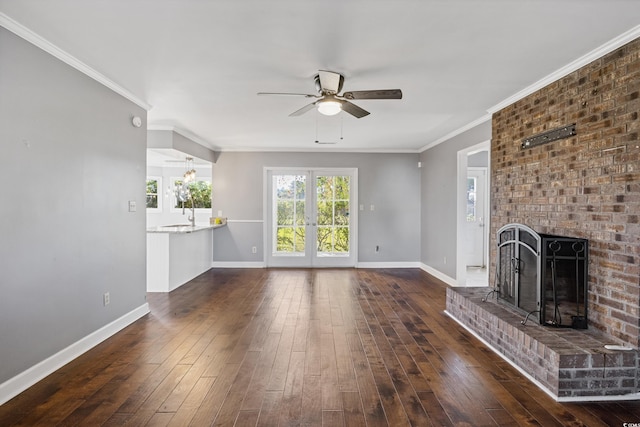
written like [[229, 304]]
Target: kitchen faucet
[[192, 218]]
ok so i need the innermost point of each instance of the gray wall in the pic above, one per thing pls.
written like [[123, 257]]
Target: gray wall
[[438, 198], [172, 140], [479, 160], [71, 161], [391, 182]]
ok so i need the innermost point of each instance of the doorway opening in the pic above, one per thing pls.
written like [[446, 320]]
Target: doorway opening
[[472, 255]]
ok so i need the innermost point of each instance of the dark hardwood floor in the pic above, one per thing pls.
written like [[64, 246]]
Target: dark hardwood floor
[[264, 347]]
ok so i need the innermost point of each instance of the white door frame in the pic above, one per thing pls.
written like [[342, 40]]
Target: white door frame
[[328, 262], [481, 173], [461, 264]]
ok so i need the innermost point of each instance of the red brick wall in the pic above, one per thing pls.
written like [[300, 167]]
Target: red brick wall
[[585, 186]]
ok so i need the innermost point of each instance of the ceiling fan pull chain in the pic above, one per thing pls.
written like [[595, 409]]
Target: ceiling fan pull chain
[[317, 141]]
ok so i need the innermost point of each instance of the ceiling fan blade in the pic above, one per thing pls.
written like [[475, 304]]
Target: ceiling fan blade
[[288, 93], [353, 109], [329, 81], [374, 94], [303, 110]]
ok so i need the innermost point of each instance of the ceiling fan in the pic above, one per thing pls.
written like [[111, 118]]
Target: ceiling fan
[[330, 102]]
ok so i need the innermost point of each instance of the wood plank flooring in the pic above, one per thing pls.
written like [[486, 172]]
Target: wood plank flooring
[[264, 347]]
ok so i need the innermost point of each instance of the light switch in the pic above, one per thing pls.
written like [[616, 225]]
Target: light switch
[[361, 207], [132, 205], [373, 208]]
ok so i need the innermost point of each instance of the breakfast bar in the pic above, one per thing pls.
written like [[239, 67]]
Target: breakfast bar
[[178, 253]]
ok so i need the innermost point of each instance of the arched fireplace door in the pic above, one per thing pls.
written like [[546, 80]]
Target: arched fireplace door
[[543, 276]]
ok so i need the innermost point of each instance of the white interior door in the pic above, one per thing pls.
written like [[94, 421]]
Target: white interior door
[[475, 217], [309, 221]]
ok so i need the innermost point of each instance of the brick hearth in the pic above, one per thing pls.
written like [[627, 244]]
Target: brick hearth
[[569, 364]]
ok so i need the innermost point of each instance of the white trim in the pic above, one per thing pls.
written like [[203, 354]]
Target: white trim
[[35, 39], [457, 132], [599, 52], [238, 264], [439, 275], [461, 192], [617, 397], [388, 265], [16, 385], [333, 149]]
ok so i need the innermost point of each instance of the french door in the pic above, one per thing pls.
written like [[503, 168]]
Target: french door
[[309, 217]]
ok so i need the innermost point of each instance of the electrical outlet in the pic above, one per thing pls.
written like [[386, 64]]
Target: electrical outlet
[[132, 205], [254, 250], [106, 298], [445, 260]]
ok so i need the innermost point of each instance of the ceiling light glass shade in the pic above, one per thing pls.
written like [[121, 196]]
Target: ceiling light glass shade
[[190, 172], [329, 108], [190, 176]]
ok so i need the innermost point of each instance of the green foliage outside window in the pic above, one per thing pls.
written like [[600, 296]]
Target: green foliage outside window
[[200, 195], [152, 193], [332, 202]]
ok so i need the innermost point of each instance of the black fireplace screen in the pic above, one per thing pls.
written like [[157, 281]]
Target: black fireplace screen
[[544, 276]]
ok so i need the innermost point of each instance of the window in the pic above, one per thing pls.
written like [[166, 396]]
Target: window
[[200, 194], [154, 199], [471, 198]]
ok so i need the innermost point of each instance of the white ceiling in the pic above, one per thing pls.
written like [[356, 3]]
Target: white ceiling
[[200, 63]]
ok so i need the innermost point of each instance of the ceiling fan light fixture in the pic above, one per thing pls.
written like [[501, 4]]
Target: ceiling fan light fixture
[[329, 108]]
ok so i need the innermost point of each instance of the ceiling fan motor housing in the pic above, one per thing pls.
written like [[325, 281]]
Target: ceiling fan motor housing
[[316, 80]]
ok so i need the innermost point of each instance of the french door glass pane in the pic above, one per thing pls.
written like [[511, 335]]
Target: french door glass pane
[[289, 194], [332, 206]]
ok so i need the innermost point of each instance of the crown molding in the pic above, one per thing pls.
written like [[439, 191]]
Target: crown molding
[[329, 149], [457, 132], [599, 52], [38, 41]]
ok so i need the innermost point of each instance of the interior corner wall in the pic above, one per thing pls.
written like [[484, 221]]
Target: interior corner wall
[[71, 161], [390, 182], [439, 176]]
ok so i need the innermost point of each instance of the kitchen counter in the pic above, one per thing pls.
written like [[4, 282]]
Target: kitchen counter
[[177, 253], [183, 228]]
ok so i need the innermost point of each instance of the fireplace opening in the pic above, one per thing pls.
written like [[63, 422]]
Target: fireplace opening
[[543, 276]]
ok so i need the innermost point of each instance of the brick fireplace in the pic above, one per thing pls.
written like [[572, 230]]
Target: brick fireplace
[[585, 186]]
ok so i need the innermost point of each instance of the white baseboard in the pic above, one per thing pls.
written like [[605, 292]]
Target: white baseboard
[[388, 265], [233, 264], [237, 264], [439, 275], [16, 385]]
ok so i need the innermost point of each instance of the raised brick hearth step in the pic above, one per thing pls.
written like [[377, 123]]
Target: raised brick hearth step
[[570, 364]]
